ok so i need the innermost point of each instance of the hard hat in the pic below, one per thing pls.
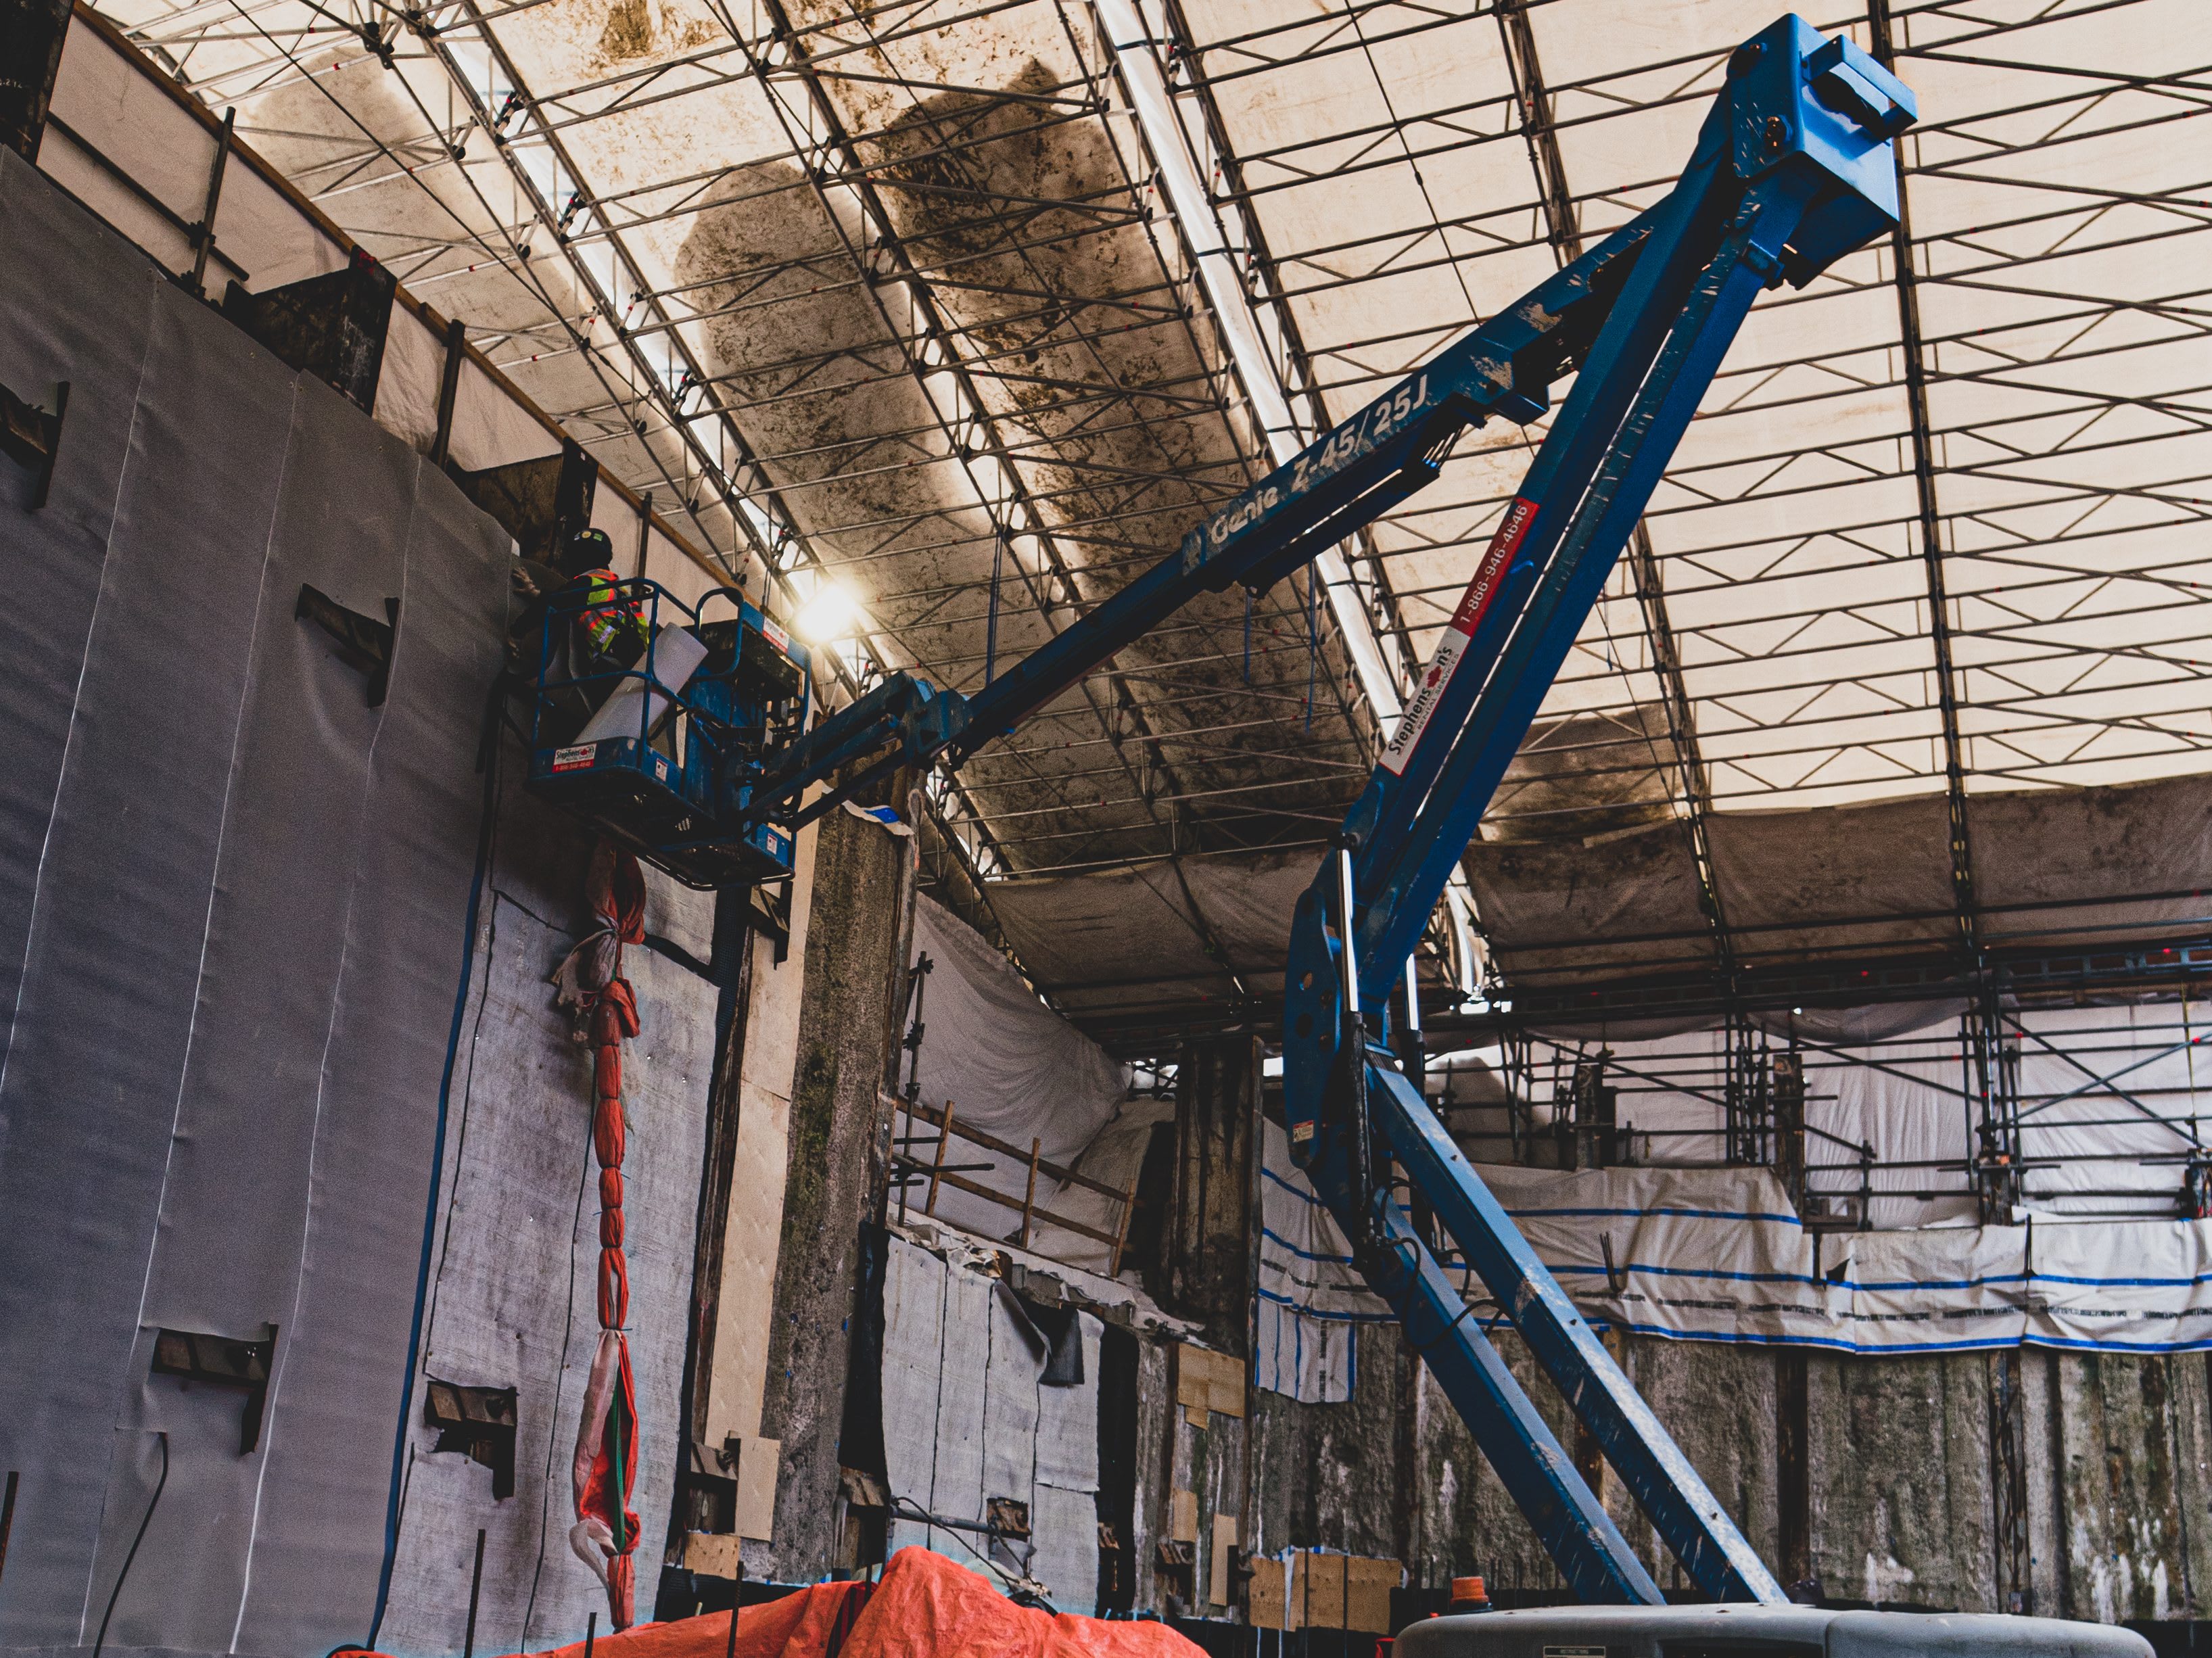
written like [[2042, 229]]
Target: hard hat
[[587, 549]]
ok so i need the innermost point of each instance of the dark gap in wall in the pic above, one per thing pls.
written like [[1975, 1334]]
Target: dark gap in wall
[[1117, 1466], [861, 1434]]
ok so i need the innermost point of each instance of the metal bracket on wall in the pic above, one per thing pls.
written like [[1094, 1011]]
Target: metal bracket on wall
[[30, 437], [331, 327], [224, 1362], [203, 232], [478, 1422], [541, 503], [771, 915], [30, 36], [363, 642]]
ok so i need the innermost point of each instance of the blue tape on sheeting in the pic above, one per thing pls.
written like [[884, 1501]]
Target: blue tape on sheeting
[[1671, 1212], [1305, 1311]]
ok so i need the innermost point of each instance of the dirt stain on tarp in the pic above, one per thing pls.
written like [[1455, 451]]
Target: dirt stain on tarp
[[1011, 205], [635, 29]]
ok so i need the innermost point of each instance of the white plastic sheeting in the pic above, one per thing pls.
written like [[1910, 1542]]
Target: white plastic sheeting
[[1311, 1299], [1007, 1064], [2109, 1103], [967, 1418], [1113, 1158], [1719, 1255]]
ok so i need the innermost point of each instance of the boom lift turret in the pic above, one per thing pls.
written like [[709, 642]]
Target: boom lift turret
[[1793, 168]]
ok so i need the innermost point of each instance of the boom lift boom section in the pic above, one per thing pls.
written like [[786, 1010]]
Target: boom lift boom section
[[1793, 169]]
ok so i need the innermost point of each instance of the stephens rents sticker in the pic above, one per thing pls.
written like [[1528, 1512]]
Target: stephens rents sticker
[[1459, 631]]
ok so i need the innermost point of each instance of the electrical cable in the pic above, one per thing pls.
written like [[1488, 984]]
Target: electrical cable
[[152, 1502]]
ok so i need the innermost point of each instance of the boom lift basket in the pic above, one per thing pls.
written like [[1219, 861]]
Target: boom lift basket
[[649, 721]]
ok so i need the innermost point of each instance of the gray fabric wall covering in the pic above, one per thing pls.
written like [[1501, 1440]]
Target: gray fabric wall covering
[[1870, 878], [512, 1297], [1560, 911], [231, 903], [2059, 867], [968, 1419]]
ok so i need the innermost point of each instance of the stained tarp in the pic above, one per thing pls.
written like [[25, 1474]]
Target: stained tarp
[[2053, 869], [1559, 911], [1178, 937], [2062, 867], [1864, 877]]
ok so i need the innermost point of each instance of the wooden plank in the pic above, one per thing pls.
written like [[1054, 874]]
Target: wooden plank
[[976, 1188], [1182, 1516], [1338, 1591], [1029, 1195], [1225, 1527], [1193, 1381], [930, 1114], [1267, 1600], [1367, 1586], [1122, 1232], [944, 1139], [1207, 1381], [1318, 1590]]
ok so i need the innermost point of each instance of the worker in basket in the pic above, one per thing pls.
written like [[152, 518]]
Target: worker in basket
[[610, 627], [600, 629]]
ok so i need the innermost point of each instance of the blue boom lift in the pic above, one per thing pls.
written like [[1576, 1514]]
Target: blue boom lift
[[1793, 169]]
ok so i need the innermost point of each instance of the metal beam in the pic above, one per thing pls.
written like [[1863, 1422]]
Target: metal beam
[[1564, 226], [1384, 662], [1879, 23], [941, 352]]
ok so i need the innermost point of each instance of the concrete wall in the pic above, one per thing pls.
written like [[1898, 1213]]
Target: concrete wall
[[1899, 1474], [855, 956]]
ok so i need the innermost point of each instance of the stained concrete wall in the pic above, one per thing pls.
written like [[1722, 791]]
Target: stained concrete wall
[[1899, 1456], [855, 955]]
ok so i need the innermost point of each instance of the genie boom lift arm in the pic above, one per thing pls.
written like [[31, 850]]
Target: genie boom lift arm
[[1793, 169]]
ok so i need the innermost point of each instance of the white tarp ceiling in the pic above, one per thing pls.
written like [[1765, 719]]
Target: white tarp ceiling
[[892, 289]]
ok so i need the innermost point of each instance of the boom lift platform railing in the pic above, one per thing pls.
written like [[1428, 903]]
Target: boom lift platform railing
[[646, 719], [1793, 168]]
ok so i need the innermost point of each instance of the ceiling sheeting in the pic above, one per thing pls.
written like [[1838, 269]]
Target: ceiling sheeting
[[886, 295], [2061, 871]]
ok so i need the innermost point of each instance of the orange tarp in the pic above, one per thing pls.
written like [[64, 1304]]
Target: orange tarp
[[798, 1624], [923, 1608], [926, 1606]]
